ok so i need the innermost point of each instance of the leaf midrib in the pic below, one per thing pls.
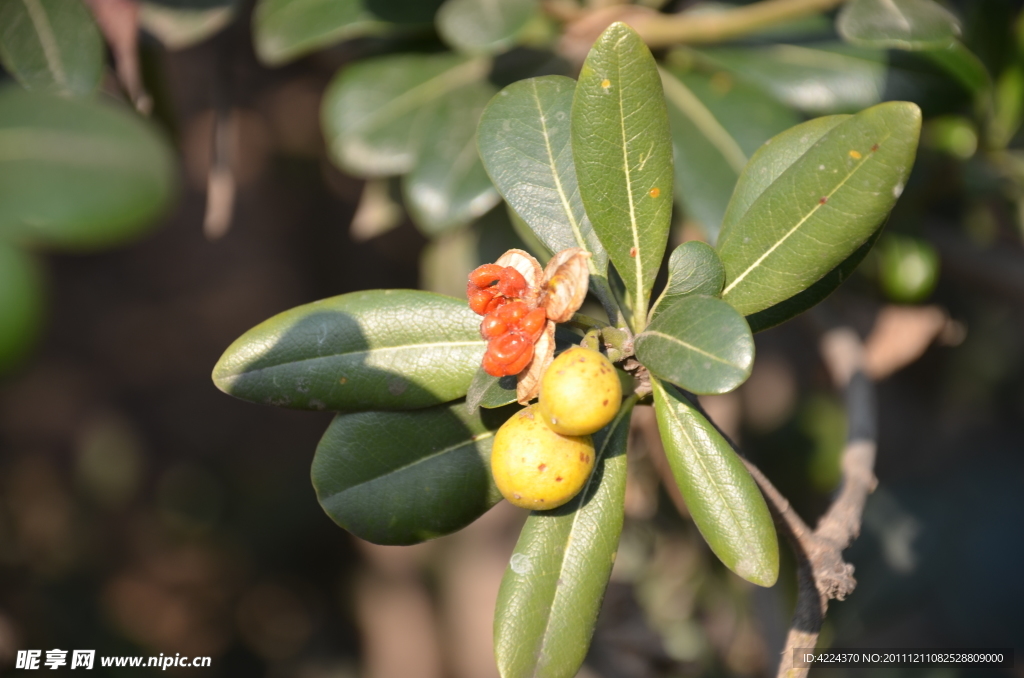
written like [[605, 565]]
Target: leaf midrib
[[572, 527], [641, 299], [433, 455], [670, 412], [796, 227], [691, 347], [47, 40], [552, 165], [382, 349]]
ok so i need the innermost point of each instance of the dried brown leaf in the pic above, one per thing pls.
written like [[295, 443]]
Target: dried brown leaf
[[565, 284]]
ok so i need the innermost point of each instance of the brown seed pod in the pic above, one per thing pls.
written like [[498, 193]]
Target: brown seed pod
[[565, 284]]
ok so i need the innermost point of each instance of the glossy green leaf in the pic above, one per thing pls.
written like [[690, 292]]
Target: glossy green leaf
[[821, 208], [182, 28], [716, 122], [448, 187], [377, 113], [78, 173], [770, 161], [699, 343], [380, 349], [284, 30], [897, 24], [816, 293], [21, 304], [490, 392], [525, 144], [623, 157], [965, 67], [722, 498], [51, 45], [552, 589], [405, 477], [817, 79], [483, 26], [693, 268]]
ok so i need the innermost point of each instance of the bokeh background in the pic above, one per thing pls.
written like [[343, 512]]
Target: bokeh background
[[144, 512]]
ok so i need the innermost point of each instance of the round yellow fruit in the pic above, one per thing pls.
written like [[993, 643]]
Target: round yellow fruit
[[536, 468], [580, 392]]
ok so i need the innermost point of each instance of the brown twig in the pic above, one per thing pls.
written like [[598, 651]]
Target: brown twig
[[822, 573]]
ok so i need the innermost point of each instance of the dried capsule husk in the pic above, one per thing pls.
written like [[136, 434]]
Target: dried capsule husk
[[528, 383], [565, 284]]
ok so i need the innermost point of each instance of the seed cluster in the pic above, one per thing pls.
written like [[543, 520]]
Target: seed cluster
[[510, 325]]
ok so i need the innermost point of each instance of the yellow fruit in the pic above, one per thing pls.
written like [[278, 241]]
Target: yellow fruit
[[536, 468], [580, 392]]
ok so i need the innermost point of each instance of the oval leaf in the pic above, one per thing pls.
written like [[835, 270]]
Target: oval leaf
[[722, 498], [51, 46], [821, 208], [897, 24], [448, 188], [284, 30], [525, 145], [693, 268], [490, 392], [623, 155], [552, 589], [716, 124], [483, 26], [377, 113], [699, 343], [405, 477], [78, 173], [21, 304], [770, 161], [819, 291], [381, 349], [817, 79]]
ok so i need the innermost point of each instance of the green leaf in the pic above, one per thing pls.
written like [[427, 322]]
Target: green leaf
[[623, 157], [490, 392], [723, 499], [405, 477], [693, 268], [21, 304], [817, 79], [284, 30], [770, 161], [404, 11], [525, 145], [816, 293], [483, 26], [699, 343], [380, 349], [377, 113], [966, 68], [78, 173], [448, 187], [51, 46], [821, 208], [716, 123], [552, 589], [182, 28], [897, 24]]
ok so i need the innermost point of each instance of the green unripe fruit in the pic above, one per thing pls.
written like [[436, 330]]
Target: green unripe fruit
[[580, 392], [909, 268], [536, 468]]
